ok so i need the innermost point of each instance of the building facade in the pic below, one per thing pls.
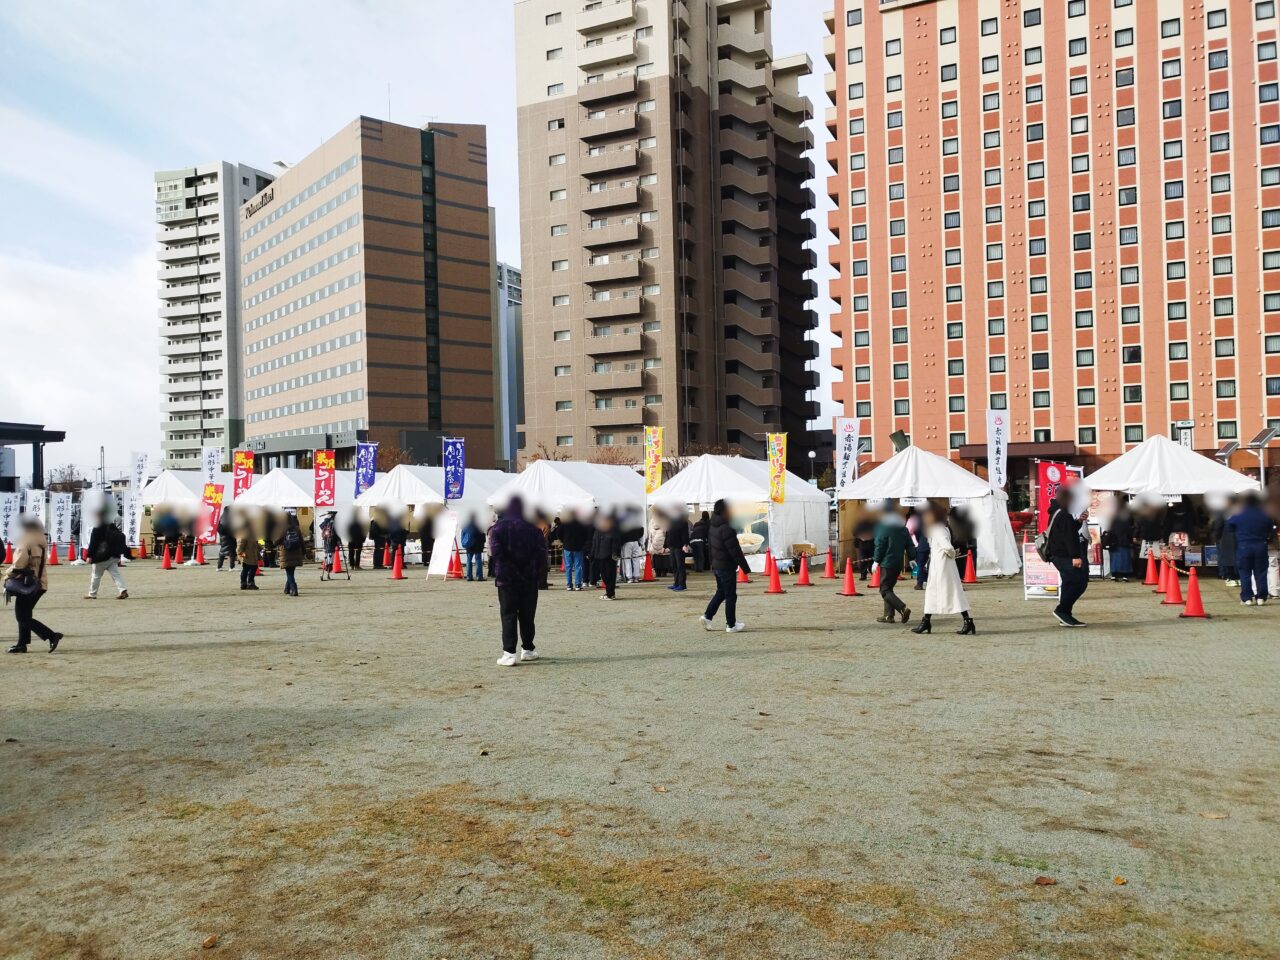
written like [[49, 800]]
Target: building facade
[[1066, 210], [366, 297], [508, 361], [201, 403], [663, 202]]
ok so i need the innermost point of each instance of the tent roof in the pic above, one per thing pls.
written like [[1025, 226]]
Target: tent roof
[[174, 486], [553, 485], [1160, 466], [914, 472], [711, 477], [418, 485], [293, 487]]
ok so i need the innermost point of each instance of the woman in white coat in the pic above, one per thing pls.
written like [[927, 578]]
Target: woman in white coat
[[943, 593]]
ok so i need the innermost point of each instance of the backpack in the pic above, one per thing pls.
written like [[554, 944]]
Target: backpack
[[292, 539], [1042, 541]]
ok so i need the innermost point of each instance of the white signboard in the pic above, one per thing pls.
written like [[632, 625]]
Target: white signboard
[[34, 507], [446, 528], [60, 518], [10, 508], [997, 448], [210, 464]]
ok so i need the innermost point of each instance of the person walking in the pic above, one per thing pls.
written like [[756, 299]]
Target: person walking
[[1224, 535], [698, 542], [106, 547], [677, 545], [226, 540], [293, 553], [249, 554], [30, 556], [944, 590], [890, 549], [920, 538], [606, 551], [1253, 530], [518, 564], [575, 537], [1068, 552], [472, 541], [725, 554], [1119, 543]]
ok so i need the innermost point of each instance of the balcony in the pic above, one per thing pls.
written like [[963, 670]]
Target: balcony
[[753, 148], [609, 160], [625, 380], [762, 397], [829, 50], [829, 86], [609, 15], [613, 308], [616, 416], [751, 78], [737, 38], [613, 345], [192, 406], [623, 85], [610, 51], [615, 122], [610, 198], [613, 271], [748, 214], [613, 233]]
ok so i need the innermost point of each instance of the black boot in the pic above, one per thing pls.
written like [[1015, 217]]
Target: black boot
[[925, 625], [17, 648], [968, 627]]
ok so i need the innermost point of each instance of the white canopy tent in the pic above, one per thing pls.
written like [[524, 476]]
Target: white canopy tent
[[290, 487], [416, 486], [553, 486], [177, 487], [916, 473], [1160, 467], [802, 517]]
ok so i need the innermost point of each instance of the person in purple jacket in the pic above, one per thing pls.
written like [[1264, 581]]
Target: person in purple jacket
[[518, 564]]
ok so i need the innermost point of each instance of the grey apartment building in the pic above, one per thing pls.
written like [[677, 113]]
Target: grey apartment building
[[663, 201]]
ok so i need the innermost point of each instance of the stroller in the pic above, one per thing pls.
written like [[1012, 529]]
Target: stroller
[[332, 566]]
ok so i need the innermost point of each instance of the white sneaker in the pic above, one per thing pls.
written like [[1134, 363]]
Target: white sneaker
[[507, 660], [1261, 601], [528, 654], [736, 628], [706, 623]]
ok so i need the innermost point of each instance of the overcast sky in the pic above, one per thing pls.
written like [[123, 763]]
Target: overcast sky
[[96, 96]]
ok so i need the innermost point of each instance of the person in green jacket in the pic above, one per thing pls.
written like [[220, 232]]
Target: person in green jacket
[[891, 543]]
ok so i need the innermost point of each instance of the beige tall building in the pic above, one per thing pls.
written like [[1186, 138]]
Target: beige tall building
[[662, 195]]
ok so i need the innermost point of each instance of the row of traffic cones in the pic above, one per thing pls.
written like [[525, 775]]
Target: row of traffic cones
[[1169, 585]]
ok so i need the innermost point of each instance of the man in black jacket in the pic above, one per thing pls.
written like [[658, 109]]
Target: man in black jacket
[[698, 542], [677, 545], [726, 560], [1069, 553], [606, 549], [106, 546], [575, 537]]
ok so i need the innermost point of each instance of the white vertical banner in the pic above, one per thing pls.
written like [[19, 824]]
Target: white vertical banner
[[138, 464], [210, 464], [60, 518], [10, 508], [35, 506], [997, 448], [133, 519], [847, 431]]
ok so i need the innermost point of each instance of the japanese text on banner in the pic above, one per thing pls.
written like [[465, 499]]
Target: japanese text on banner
[[652, 458], [210, 463], [455, 467], [847, 432], [241, 472], [997, 448], [326, 491], [9, 509], [60, 518], [210, 512], [366, 466], [777, 467]]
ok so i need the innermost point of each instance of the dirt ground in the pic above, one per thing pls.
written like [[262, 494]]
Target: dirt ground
[[348, 774]]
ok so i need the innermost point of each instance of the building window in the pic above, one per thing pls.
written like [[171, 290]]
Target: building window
[[556, 159], [956, 440], [1178, 350], [902, 408], [955, 368], [892, 48], [1035, 170], [1040, 398], [1084, 358], [1088, 435], [1226, 347], [901, 371], [855, 55], [862, 374], [1084, 319], [1170, 28], [1032, 55], [995, 327], [1171, 68], [1086, 396], [990, 27], [552, 18], [1180, 390], [1216, 18], [1131, 354], [1124, 38], [948, 72], [555, 89], [564, 441], [1218, 142], [998, 401], [1039, 322], [947, 35], [1133, 393], [555, 53], [1130, 314], [853, 17], [1218, 60], [898, 334], [855, 91], [1227, 430], [1077, 47], [1124, 77], [955, 331], [559, 229], [990, 64], [956, 404], [1040, 361], [950, 108], [1225, 389]]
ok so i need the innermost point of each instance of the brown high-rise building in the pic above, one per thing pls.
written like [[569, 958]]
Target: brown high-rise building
[[663, 201], [1067, 209], [366, 296]]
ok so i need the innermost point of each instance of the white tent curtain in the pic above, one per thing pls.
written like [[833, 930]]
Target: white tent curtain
[[998, 553]]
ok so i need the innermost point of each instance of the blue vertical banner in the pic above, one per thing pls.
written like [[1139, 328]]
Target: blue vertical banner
[[455, 467], [366, 466]]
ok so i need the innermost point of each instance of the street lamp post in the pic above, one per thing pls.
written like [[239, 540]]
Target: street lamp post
[[813, 455]]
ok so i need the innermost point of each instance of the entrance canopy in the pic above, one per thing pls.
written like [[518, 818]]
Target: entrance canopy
[[291, 487], [914, 472], [553, 486], [1163, 468]]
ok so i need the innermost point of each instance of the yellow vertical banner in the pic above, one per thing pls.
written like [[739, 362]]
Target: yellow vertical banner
[[777, 467], [652, 459]]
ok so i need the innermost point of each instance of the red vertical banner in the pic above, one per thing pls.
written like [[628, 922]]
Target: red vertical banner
[[1050, 478], [210, 512], [326, 493], [241, 472]]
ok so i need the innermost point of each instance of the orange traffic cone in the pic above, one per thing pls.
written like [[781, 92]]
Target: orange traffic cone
[[71, 552], [8, 553], [166, 563], [53, 555], [1173, 589], [970, 570], [142, 548], [803, 579], [1161, 586], [177, 557], [1195, 606], [1153, 570], [775, 582], [829, 570], [875, 576], [850, 582], [386, 555], [200, 561], [337, 561], [647, 576], [742, 576], [455, 564], [397, 571]]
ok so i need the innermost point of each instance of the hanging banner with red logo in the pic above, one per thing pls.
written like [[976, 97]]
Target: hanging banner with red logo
[[210, 512], [241, 472], [1050, 478], [777, 467], [848, 430], [652, 459], [326, 493], [997, 448]]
